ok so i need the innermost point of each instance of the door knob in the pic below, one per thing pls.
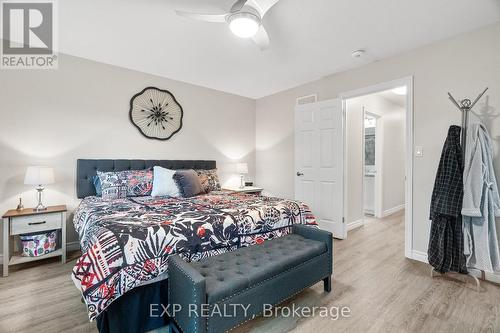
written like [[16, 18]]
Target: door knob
[[299, 174]]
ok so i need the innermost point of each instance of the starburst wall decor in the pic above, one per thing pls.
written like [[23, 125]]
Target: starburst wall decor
[[156, 113]]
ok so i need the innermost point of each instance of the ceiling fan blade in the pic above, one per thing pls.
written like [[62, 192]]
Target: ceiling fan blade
[[214, 18], [238, 5], [262, 39], [262, 6]]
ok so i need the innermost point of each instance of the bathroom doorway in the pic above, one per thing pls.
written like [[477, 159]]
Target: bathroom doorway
[[375, 156]]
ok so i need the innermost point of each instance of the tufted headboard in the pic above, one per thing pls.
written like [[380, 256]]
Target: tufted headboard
[[87, 169]]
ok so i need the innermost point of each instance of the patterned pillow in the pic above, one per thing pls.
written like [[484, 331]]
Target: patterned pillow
[[209, 180], [112, 185], [139, 182], [129, 183]]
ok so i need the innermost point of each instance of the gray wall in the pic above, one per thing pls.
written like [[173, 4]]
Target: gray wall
[[81, 111], [463, 65], [393, 167]]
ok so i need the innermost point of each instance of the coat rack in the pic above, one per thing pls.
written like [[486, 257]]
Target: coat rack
[[465, 106]]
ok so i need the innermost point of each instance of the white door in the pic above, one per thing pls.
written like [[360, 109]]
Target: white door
[[319, 154]]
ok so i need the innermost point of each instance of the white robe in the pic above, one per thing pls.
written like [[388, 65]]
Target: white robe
[[481, 202]]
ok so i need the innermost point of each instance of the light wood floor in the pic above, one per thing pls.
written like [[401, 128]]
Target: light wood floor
[[385, 292]]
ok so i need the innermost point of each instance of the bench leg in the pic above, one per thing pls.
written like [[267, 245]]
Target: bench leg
[[328, 283]]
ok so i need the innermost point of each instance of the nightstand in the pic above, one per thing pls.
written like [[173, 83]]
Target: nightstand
[[30, 221], [246, 189]]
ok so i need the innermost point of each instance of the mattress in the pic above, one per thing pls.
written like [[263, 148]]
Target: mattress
[[125, 243]]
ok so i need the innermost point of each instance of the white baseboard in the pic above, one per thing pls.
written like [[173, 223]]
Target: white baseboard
[[488, 276], [493, 277], [393, 210], [419, 256], [354, 224]]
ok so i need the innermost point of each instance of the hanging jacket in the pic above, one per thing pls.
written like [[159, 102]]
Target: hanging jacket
[[448, 186], [481, 202], [445, 252]]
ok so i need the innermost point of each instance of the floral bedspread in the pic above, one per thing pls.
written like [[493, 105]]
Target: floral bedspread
[[126, 242]]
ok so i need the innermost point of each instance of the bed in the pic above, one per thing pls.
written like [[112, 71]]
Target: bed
[[126, 242]]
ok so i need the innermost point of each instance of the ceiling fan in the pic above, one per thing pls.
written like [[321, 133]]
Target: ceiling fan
[[244, 19]]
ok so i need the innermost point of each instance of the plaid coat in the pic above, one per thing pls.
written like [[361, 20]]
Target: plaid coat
[[446, 244], [448, 187]]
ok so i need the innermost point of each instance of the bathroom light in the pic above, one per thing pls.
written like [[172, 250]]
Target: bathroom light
[[400, 90], [244, 25]]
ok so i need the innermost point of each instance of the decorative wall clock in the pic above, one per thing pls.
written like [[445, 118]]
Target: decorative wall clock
[[156, 113]]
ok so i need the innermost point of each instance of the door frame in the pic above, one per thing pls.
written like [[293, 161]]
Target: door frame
[[377, 204], [409, 146]]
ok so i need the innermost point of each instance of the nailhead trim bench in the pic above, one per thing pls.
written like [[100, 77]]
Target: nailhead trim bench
[[252, 277]]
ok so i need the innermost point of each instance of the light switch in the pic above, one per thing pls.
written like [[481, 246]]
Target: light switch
[[419, 151]]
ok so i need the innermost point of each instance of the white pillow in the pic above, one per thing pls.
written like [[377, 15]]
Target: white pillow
[[163, 183]]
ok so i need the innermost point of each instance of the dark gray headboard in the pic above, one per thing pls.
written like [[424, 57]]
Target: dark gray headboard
[[87, 169]]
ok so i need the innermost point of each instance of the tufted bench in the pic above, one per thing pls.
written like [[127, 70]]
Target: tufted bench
[[219, 293]]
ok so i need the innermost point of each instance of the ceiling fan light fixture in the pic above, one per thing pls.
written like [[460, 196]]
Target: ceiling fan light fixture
[[244, 25]]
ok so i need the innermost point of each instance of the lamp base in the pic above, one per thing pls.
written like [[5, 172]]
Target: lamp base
[[242, 184], [40, 207]]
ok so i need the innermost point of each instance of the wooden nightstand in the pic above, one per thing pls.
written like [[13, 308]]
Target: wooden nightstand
[[246, 189], [29, 221]]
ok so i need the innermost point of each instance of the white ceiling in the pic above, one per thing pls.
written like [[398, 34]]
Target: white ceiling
[[309, 39]]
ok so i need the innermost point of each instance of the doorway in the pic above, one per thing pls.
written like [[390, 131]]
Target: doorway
[[321, 156], [378, 150], [375, 182]]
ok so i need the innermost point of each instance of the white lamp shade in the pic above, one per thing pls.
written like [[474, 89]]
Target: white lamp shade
[[39, 175], [242, 168]]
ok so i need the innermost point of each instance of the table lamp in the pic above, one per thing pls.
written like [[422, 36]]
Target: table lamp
[[39, 176], [242, 169]]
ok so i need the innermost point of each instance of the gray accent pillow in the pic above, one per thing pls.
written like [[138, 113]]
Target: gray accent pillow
[[188, 183]]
